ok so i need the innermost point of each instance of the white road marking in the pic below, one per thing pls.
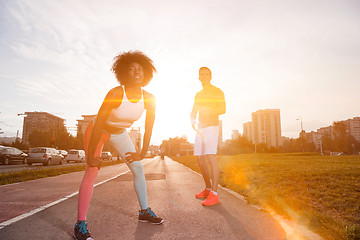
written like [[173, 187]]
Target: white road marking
[[39, 209]]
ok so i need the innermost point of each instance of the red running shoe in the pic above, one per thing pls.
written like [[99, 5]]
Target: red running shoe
[[211, 200], [203, 194]]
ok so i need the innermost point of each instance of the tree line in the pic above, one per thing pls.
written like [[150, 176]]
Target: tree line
[[340, 141], [56, 138]]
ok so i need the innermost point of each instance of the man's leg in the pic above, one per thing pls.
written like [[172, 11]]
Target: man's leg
[[215, 172], [213, 198], [211, 135], [204, 170]]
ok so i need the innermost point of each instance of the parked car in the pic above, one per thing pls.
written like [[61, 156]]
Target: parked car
[[106, 155], [63, 152], [11, 154], [75, 155], [44, 155]]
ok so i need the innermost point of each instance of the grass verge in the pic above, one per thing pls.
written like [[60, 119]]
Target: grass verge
[[43, 172], [322, 192]]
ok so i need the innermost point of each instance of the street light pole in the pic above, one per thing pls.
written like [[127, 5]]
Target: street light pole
[[301, 123], [301, 133], [25, 115]]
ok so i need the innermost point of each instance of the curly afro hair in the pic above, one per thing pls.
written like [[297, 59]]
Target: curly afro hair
[[123, 60]]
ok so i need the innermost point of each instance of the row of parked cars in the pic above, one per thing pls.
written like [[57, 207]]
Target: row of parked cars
[[44, 155]]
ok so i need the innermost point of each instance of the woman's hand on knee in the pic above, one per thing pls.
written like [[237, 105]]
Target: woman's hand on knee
[[132, 156], [94, 162]]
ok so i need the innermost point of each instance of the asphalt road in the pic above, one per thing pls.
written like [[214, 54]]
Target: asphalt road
[[114, 208]]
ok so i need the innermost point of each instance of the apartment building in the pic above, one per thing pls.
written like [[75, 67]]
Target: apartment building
[[135, 136], [83, 123], [314, 137], [248, 131], [235, 134], [220, 137], [353, 127], [42, 121], [266, 127]]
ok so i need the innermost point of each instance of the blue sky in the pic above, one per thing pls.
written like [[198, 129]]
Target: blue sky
[[302, 57]]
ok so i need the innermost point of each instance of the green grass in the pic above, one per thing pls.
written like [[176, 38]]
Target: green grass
[[43, 172], [322, 192]]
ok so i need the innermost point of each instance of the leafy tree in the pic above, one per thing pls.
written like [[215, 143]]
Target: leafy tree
[[327, 143], [297, 145], [238, 145], [38, 138], [19, 145], [343, 141], [172, 146], [57, 138]]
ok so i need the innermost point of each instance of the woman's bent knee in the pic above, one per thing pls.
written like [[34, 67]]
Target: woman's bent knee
[[137, 167]]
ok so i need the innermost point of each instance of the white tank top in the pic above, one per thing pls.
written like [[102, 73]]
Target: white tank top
[[127, 113]]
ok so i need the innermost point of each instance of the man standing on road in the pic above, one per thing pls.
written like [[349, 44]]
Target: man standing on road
[[210, 103]]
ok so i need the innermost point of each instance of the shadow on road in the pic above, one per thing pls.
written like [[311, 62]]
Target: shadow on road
[[146, 231], [239, 228]]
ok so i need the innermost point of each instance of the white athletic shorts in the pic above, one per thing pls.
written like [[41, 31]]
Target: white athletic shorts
[[206, 141]]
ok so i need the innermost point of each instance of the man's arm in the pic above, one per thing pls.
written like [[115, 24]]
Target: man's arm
[[221, 105], [193, 114]]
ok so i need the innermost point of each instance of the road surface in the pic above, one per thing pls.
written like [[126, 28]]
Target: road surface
[[114, 208]]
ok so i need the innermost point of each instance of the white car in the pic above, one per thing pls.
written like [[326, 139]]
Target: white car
[[75, 155], [63, 152], [106, 155], [44, 155]]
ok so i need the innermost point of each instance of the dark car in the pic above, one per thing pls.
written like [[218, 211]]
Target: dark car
[[10, 154]]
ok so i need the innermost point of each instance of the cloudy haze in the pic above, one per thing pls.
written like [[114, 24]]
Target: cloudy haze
[[302, 57]]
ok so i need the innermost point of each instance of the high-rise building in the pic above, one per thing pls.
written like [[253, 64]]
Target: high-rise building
[[314, 137], [135, 136], [83, 123], [267, 127], [220, 138], [235, 134], [248, 131], [353, 127], [325, 131], [41, 121]]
